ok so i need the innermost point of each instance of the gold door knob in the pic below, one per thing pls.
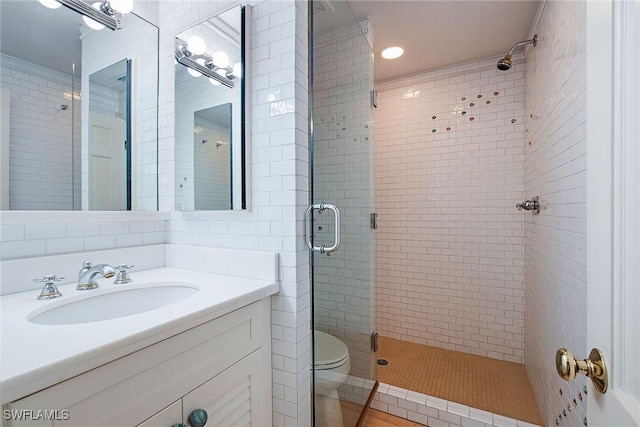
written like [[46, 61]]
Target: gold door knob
[[594, 367]]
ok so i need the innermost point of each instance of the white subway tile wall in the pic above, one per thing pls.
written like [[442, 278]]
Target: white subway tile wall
[[279, 153], [344, 292], [106, 101], [54, 236], [449, 247], [41, 134], [212, 165], [555, 169]]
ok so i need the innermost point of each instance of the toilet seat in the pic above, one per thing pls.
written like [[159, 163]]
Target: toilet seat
[[331, 353]]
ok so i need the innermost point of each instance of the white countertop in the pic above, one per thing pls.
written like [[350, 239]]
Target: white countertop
[[35, 356]]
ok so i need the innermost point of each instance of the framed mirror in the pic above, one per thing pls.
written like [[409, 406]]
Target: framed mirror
[[57, 76], [211, 113]]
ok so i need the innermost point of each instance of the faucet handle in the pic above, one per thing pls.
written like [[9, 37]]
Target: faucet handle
[[48, 279], [50, 290], [121, 275]]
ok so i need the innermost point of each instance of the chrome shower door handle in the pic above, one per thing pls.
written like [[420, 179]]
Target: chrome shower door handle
[[336, 216]]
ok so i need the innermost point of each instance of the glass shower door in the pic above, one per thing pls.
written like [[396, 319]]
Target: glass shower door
[[341, 171]]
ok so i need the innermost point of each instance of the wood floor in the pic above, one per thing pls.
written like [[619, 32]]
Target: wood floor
[[381, 419], [480, 382], [351, 413]]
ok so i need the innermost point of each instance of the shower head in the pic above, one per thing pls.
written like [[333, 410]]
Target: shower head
[[505, 63]]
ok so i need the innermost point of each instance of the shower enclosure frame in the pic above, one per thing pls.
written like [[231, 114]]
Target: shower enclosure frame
[[356, 135]]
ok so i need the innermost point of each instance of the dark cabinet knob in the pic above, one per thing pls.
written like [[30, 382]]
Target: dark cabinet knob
[[198, 418]]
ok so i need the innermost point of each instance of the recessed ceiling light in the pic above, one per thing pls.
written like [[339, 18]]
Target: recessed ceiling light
[[392, 52]]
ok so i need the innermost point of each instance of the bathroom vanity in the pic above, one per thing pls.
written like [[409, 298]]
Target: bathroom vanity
[[210, 350]]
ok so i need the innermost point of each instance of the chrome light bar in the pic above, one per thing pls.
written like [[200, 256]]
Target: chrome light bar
[[103, 16], [181, 57]]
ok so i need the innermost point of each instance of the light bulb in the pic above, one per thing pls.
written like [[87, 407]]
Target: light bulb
[[214, 82], [122, 6], [51, 4], [196, 45], [221, 59], [94, 25], [237, 70], [195, 73], [221, 72]]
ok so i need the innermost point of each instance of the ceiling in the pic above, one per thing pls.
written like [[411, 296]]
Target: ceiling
[[34, 33], [433, 34]]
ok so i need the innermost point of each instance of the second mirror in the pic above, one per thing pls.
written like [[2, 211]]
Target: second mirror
[[211, 114]]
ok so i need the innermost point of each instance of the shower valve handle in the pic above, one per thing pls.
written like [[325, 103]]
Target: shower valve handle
[[530, 205]]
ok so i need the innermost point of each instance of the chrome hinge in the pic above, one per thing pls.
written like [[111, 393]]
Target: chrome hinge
[[374, 341], [373, 221], [374, 98]]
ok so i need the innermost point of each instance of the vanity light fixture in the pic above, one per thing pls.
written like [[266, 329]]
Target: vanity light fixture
[[51, 4], [89, 22], [194, 73], [107, 13], [392, 52], [196, 45], [216, 68]]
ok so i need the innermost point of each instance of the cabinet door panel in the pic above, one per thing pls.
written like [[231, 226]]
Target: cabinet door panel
[[165, 418], [239, 396]]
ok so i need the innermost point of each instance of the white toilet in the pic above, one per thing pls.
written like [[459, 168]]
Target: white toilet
[[332, 365]]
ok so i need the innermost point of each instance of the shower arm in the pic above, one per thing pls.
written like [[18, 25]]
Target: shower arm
[[534, 40]]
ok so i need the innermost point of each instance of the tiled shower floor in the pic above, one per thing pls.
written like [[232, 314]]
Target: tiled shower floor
[[479, 382]]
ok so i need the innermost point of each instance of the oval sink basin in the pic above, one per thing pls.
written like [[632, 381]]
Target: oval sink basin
[[112, 305]]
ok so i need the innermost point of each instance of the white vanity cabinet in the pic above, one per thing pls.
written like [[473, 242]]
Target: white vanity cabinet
[[232, 398], [222, 366]]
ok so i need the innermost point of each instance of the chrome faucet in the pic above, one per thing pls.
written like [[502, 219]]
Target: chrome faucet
[[122, 276], [88, 273], [50, 290]]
